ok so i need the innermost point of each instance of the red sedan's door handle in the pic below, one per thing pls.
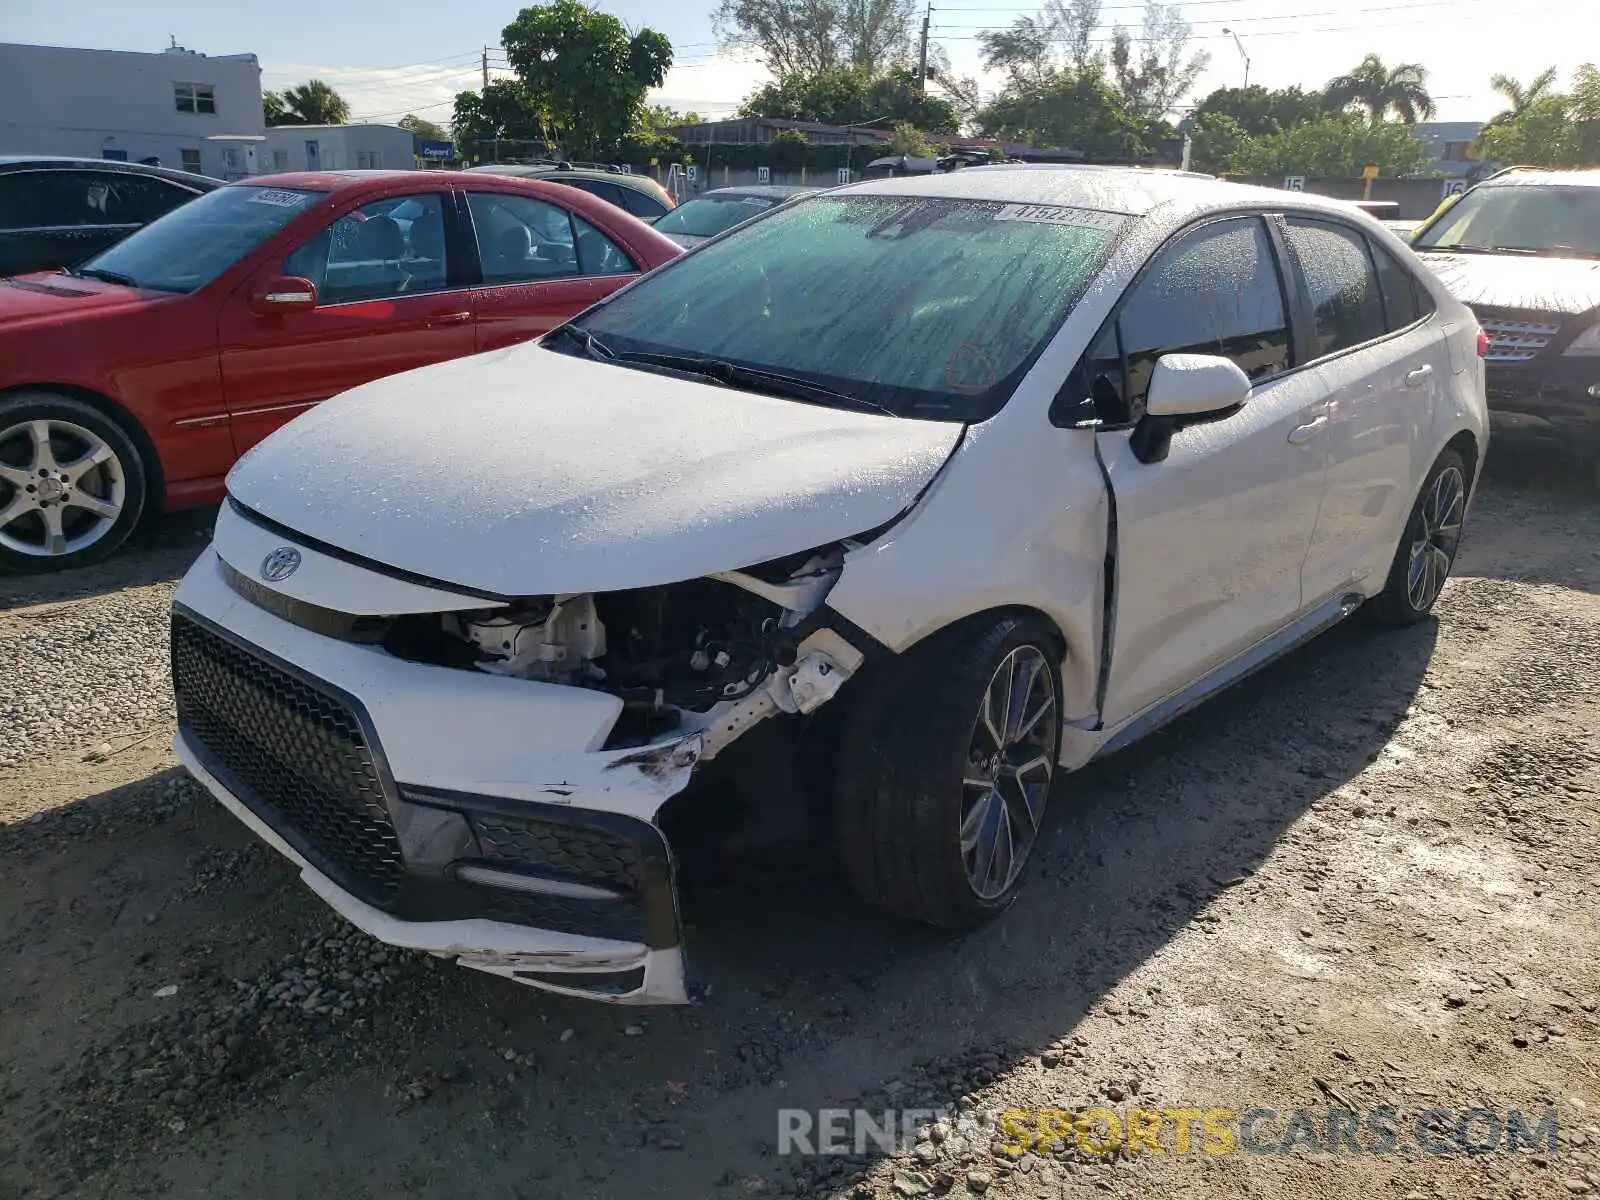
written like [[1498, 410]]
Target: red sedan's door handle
[[449, 318]]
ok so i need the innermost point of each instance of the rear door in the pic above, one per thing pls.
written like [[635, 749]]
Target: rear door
[[390, 298], [1210, 541], [1382, 365], [541, 265]]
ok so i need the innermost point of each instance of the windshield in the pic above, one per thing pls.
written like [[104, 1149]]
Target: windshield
[[1557, 221], [190, 246], [707, 216], [924, 307]]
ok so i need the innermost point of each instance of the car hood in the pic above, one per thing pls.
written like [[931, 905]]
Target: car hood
[[530, 472], [1565, 286], [26, 299]]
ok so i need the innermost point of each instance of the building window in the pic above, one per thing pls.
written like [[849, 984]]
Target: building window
[[1457, 151], [369, 160], [280, 160], [195, 97], [191, 161]]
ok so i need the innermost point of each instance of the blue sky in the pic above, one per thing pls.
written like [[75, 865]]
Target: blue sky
[[413, 55]]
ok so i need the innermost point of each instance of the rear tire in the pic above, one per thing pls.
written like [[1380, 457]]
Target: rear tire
[[1427, 550], [942, 784], [72, 483]]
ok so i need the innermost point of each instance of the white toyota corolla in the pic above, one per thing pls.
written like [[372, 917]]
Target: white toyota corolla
[[1006, 467]]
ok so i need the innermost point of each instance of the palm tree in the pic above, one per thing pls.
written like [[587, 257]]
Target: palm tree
[[1521, 98], [315, 103], [1381, 89]]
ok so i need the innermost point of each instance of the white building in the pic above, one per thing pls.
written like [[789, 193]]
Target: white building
[[336, 148], [178, 108]]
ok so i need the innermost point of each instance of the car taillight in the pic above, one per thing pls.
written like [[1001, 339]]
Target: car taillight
[[1483, 344]]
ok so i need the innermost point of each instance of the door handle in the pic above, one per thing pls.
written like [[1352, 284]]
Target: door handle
[[1301, 434], [449, 318], [1418, 377]]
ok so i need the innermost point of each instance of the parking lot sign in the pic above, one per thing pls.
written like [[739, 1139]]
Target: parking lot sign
[[1452, 187], [844, 175], [763, 174], [1294, 183]]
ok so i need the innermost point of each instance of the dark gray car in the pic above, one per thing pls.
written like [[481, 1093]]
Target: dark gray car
[[55, 212], [710, 213]]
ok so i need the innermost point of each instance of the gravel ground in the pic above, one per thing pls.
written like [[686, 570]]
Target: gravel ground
[[1365, 877]]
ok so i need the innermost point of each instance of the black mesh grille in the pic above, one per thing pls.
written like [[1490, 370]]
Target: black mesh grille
[[621, 920], [296, 755], [580, 853]]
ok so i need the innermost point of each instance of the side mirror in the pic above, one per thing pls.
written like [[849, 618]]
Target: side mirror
[[285, 294], [1186, 389]]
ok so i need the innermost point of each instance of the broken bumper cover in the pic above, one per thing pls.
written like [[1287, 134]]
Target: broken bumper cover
[[375, 777]]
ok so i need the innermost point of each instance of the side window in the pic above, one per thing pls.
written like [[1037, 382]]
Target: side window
[[1345, 297], [135, 199], [609, 192], [391, 247], [1215, 292], [598, 254], [1405, 299], [645, 207], [22, 201], [522, 239]]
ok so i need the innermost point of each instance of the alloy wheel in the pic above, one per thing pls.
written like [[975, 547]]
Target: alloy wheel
[[1010, 767], [62, 487], [1434, 549]]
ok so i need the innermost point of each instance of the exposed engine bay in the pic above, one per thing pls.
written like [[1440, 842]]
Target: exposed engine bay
[[717, 654]]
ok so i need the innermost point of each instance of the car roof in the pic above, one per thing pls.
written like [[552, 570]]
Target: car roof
[[64, 162], [1543, 177], [1133, 191], [778, 191], [541, 170]]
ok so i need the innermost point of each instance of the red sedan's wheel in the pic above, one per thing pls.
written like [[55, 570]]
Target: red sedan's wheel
[[72, 483]]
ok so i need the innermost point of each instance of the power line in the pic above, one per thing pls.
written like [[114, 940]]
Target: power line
[[1251, 19], [1261, 33]]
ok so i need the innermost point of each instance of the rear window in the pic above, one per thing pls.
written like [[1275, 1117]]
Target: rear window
[[707, 216]]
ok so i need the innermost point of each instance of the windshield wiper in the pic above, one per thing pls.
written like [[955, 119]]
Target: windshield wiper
[[1455, 249], [1553, 251], [592, 345], [771, 383], [105, 276]]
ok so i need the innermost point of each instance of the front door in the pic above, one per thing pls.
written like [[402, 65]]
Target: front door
[[1209, 542], [388, 301], [542, 265]]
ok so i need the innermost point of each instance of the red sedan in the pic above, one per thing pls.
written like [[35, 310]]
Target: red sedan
[[135, 380]]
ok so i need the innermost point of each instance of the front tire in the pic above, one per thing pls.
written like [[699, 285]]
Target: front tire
[[946, 769], [1427, 549], [72, 483]]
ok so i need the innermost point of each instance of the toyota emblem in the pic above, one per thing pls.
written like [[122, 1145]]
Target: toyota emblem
[[280, 564]]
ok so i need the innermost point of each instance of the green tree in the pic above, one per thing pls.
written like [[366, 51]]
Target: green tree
[[906, 138], [807, 37], [1077, 112], [501, 112], [1380, 89], [1520, 96], [660, 116], [420, 127], [1552, 130], [789, 149], [1216, 142], [1259, 111], [1331, 147], [314, 103], [584, 71], [1153, 70], [273, 109], [849, 96]]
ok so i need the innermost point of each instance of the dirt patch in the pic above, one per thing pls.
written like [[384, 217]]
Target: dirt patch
[[1364, 879]]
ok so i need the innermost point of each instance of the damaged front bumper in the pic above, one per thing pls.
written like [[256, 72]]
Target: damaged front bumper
[[472, 816]]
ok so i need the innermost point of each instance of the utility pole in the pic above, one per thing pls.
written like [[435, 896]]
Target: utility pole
[[922, 52], [1242, 54], [486, 68]]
